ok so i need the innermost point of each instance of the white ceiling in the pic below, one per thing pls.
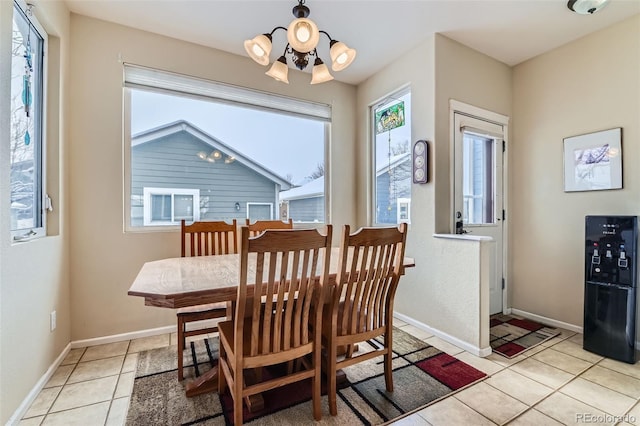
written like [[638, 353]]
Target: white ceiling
[[510, 31]]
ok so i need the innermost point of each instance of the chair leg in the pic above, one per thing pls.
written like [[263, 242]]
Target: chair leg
[[315, 383], [331, 379], [388, 367], [237, 398], [181, 344], [222, 377]]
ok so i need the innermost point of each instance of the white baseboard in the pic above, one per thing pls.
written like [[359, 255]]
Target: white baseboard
[[33, 394], [475, 350], [124, 336], [547, 321]]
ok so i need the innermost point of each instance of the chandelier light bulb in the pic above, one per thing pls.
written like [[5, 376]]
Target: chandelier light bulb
[[259, 48], [303, 35]]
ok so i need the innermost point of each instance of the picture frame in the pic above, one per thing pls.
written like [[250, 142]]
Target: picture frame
[[593, 162], [419, 162]]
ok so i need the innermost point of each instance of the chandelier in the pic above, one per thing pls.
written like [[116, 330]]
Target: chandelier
[[302, 37]]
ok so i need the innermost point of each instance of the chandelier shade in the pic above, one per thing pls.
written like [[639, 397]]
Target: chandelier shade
[[259, 48], [303, 37], [279, 70]]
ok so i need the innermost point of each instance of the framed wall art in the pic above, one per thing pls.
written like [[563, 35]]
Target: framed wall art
[[593, 162]]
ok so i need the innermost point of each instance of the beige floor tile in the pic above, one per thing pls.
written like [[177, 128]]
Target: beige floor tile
[[151, 342], [491, 403], [85, 393], [443, 345], [451, 411], [125, 385], [397, 322], [564, 362], [130, 363], [416, 332], [118, 412], [571, 348], [633, 416], [95, 369], [543, 373], [518, 386], [73, 356], [576, 338], [33, 421], [94, 414], [611, 379], [43, 402], [61, 375], [412, 420], [534, 418], [570, 411], [621, 367], [482, 364], [105, 351], [602, 398]]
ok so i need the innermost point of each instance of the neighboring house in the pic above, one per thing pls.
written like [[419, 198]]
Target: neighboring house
[[393, 186], [304, 203], [180, 172], [393, 190]]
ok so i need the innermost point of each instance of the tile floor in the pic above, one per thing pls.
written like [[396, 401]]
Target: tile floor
[[552, 384]]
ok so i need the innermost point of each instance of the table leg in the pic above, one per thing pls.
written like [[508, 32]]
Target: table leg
[[208, 382]]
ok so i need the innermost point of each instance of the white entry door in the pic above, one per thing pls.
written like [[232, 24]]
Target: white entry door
[[478, 187]]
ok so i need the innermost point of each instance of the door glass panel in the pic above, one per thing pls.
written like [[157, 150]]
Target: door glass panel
[[478, 181]]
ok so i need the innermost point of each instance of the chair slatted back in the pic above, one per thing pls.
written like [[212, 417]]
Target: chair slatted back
[[287, 263], [260, 226], [209, 238], [368, 275]]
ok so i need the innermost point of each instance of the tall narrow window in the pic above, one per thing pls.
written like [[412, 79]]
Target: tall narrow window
[[26, 149], [392, 158]]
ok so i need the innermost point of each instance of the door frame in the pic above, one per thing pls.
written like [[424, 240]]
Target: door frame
[[503, 120]]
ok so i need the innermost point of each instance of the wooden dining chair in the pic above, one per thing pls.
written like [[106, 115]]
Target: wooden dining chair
[[260, 226], [288, 264], [361, 304], [203, 239]]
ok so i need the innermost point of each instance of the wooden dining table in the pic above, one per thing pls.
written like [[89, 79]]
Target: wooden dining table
[[190, 281]]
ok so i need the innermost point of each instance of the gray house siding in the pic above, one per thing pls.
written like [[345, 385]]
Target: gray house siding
[[172, 162], [387, 210], [307, 209]]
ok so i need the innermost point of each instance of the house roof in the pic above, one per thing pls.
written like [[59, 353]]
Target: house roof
[[156, 133], [314, 188], [393, 162]]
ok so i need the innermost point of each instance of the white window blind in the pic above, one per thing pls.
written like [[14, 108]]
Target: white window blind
[[136, 76]]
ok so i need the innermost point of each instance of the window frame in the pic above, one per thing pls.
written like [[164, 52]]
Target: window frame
[[39, 108], [373, 169], [148, 192], [249, 204], [166, 82]]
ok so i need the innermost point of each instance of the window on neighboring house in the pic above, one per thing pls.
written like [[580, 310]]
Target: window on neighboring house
[[260, 211], [391, 120], [168, 206], [237, 152], [27, 126]]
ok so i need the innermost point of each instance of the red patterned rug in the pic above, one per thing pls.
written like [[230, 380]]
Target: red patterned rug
[[422, 374], [512, 335]]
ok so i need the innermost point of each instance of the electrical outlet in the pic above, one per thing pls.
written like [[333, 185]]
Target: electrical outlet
[[53, 320]]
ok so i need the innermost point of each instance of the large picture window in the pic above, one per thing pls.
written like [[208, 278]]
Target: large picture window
[[391, 120], [26, 141], [238, 152]]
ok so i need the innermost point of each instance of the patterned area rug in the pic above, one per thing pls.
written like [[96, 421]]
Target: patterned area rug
[[512, 335], [422, 374]]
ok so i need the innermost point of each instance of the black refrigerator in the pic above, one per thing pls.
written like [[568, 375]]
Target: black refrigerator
[[610, 286]]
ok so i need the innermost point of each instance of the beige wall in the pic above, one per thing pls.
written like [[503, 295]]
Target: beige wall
[[34, 277], [437, 70], [589, 85], [104, 260]]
